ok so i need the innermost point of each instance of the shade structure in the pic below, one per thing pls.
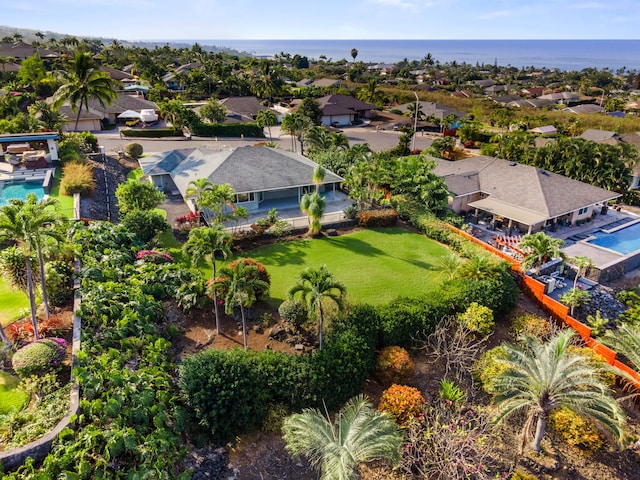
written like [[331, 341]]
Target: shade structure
[[129, 114]]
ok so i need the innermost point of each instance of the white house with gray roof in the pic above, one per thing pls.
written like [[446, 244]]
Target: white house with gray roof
[[519, 195], [260, 176]]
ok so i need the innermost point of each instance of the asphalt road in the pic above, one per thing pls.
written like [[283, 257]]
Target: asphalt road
[[377, 140]]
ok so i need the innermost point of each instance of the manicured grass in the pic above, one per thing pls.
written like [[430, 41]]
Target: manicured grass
[[376, 266], [65, 203], [11, 302], [11, 399]]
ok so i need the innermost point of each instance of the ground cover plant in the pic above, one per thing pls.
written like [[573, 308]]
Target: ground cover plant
[[11, 398], [393, 261]]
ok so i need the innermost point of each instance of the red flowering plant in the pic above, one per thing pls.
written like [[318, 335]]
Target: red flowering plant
[[153, 256]]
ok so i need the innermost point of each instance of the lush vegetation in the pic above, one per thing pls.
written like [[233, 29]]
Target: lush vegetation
[[11, 398]]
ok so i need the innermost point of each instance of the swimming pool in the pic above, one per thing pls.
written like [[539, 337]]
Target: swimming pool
[[624, 241], [19, 190]]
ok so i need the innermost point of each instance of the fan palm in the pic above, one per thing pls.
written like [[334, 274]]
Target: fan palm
[[542, 377], [83, 82], [542, 248], [316, 287], [209, 242], [359, 434]]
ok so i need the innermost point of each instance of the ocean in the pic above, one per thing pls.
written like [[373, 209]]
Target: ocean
[[561, 54]]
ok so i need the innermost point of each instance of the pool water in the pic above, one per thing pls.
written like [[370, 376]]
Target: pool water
[[624, 241], [19, 190]]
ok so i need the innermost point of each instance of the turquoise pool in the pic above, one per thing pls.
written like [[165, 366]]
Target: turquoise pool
[[624, 241], [19, 190]]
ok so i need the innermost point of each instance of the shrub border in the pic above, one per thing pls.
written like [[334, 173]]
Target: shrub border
[[40, 448]]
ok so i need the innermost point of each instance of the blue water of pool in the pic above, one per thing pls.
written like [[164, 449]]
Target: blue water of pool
[[19, 190], [624, 241]]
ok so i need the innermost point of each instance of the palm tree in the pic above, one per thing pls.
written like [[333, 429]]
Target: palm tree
[[196, 190], [542, 248], [450, 264], [266, 118], [625, 340], [241, 285], [50, 118], [209, 242], [478, 267], [354, 53], [26, 222], [84, 82], [316, 288], [542, 377], [359, 434]]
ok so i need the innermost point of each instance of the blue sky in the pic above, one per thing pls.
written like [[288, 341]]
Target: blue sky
[[328, 19]]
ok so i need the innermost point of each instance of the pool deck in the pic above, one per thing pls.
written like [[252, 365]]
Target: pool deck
[[26, 174]]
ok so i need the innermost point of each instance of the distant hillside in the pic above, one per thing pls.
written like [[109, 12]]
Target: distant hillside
[[29, 35]]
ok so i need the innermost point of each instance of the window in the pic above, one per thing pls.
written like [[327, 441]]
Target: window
[[245, 197], [582, 211]]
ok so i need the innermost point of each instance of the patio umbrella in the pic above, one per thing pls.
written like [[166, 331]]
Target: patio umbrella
[[129, 114]]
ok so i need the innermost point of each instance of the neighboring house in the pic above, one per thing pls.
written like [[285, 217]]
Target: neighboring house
[[382, 68], [531, 103], [242, 109], [506, 99], [600, 136], [461, 94], [172, 79], [561, 97], [260, 176], [94, 118], [118, 75], [22, 50], [493, 89], [9, 67], [326, 83], [432, 109], [484, 83], [533, 91], [584, 108], [341, 110], [518, 195], [545, 130]]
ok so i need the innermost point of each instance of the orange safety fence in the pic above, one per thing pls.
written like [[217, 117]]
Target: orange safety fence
[[536, 290]]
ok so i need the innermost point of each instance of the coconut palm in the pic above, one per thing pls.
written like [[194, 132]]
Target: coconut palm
[[266, 118], [209, 242], [241, 285], [542, 248], [216, 200], [50, 118], [317, 287], [541, 377], [84, 82], [359, 434]]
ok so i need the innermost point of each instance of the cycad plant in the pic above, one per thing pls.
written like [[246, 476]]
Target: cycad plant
[[541, 377], [359, 434]]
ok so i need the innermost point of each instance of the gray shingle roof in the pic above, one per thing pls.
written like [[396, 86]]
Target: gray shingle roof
[[543, 193], [246, 169]]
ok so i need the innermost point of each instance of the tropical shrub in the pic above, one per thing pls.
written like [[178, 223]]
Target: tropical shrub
[[133, 150], [394, 365], [477, 318], [274, 418], [77, 177], [134, 195], [377, 218], [520, 475], [40, 357], [280, 228], [403, 402], [145, 224], [350, 212], [530, 325], [294, 311], [153, 256], [59, 282], [575, 430], [450, 392], [488, 368], [597, 361]]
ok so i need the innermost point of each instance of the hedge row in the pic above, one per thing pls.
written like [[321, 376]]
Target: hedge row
[[377, 218], [227, 130], [151, 133]]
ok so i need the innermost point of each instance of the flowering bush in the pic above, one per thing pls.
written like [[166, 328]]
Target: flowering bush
[[394, 365], [477, 318], [488, 368], [531, 325], [41, 357], [191, 217], [153, 256], [403, 402]]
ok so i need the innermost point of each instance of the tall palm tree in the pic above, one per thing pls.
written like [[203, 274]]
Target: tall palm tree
[[82, 83], [542, 248], [209, 242], [241, 285], [317, 287], [359, 434], [266, 118], [26, 222], [542, 377]]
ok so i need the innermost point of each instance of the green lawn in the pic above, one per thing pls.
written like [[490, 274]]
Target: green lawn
[[11, 399], [11, 302], [375, 265], [65, 203]]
